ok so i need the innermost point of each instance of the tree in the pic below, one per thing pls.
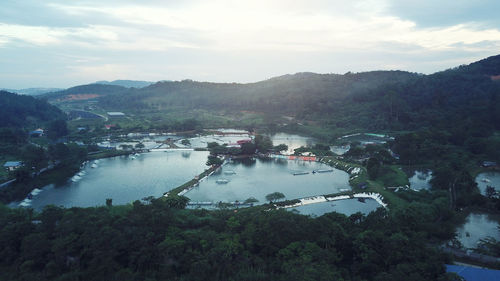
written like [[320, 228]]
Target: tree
[[373, 167], [274, 196], [281, 147], [248, 148], [250, 200], [57, 129], [139, 145], [490, 191], [109, 202], [177, 202], [214, 160], [263, 143]]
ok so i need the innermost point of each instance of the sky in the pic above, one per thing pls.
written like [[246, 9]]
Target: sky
[[63, 43]]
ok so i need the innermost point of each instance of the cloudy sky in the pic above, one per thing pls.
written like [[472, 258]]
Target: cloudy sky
[[61, 43]]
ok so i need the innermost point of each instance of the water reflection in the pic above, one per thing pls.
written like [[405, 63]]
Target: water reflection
[[420, 179], [259, 177], [486, 179], [124, 180], [346, 207], [478, 226]]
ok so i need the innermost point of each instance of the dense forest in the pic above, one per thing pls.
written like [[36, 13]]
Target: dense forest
[[19, 111], [158, 240]]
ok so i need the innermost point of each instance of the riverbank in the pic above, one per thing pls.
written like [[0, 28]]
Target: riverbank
[[359, 181]]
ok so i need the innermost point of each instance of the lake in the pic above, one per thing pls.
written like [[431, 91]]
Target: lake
[[292, 141], [488, 178], [420, 179], [125, 180], [346, 207], [259, 177], [476, 227]]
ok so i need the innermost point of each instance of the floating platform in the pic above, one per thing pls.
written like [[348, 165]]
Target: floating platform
[[323, 171]]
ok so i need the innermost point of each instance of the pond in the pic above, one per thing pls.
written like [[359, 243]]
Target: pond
[[124, 179], [478, 226], [258, 177], [346, 207], [292, 141], [365, 138], [340, 149], [488, 179], [420, 180]]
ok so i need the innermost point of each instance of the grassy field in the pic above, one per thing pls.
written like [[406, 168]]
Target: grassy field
[[396, 175]]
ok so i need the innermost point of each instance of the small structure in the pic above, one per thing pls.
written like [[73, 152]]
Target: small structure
[[109, 126], [240, 142], [37, 133], [488, 164], [12, 165], [116, 114]]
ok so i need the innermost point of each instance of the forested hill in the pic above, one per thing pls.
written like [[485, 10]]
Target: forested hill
[[95, 89], [290, 94], [378, 100], [20, 111], [466, 97], [126, 83]]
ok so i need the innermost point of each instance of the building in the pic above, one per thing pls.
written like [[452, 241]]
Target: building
[[116, 114], [12, 165], [37, 133], [488, 164]]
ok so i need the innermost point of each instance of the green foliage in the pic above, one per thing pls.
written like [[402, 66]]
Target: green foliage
[[373, 168], [57, 128], [263, 143], [158, 241], [248, 148], [274, 196], [214, 160], [20, 111], [281, 147]]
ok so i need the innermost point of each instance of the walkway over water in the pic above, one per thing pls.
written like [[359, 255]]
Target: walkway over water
[[209, 204]]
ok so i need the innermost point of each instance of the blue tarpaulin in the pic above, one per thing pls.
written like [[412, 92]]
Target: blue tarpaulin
[[473, 273]]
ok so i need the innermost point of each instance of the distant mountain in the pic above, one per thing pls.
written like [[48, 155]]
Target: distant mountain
[[20, 111], [32, 91], [85, 92], [126, 83]]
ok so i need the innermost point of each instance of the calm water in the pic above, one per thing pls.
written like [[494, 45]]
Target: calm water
[[488, 178], [347, 207], [293, 141], [476, 227], [420, 180], [259, 177], [125, 180], [202, 141]]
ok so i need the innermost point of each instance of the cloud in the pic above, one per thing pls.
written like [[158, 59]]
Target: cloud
[[210, 39], [427, 13]]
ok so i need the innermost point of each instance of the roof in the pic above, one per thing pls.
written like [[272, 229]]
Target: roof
[[116, 113], [12, 164], [473, 273]]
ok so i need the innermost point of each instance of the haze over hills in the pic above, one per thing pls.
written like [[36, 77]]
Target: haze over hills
[[126, 83], [32, 91], [376, 100]]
